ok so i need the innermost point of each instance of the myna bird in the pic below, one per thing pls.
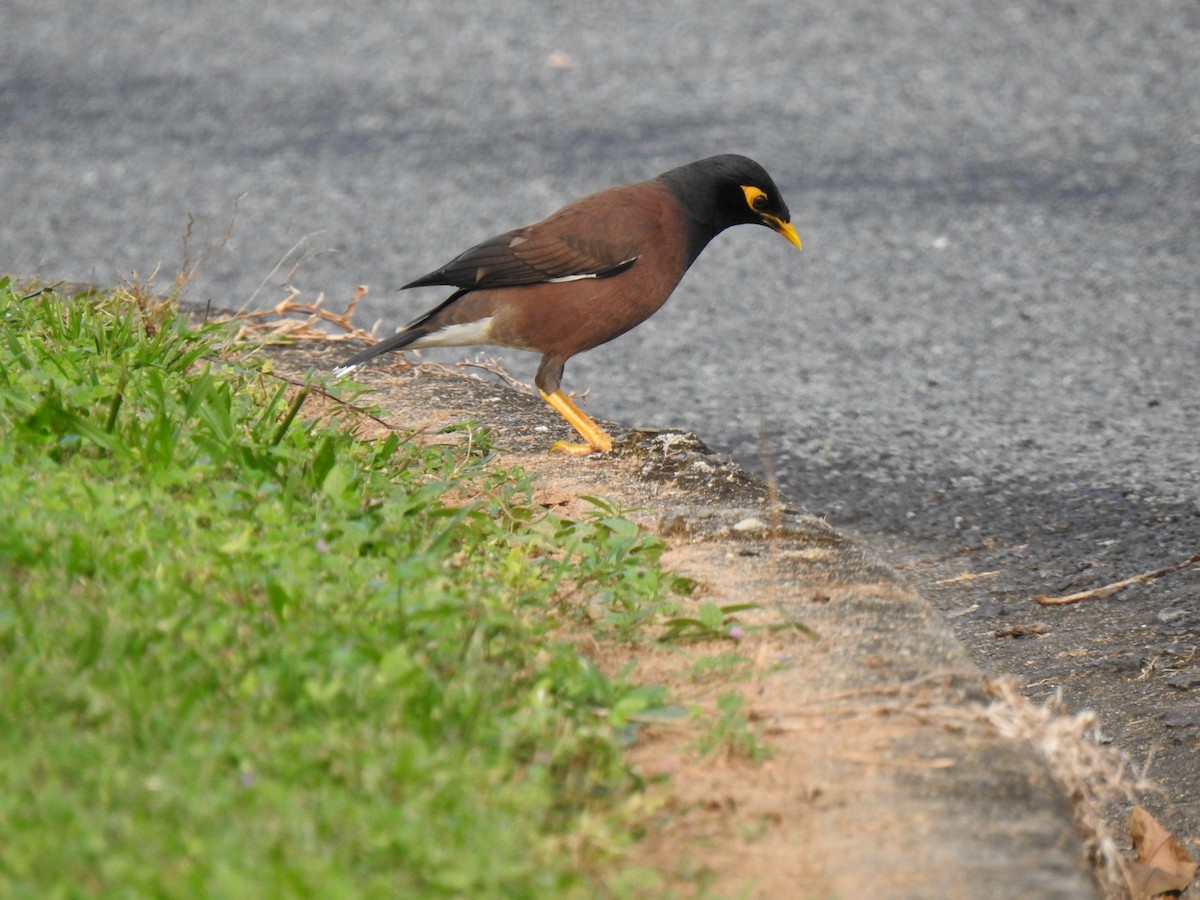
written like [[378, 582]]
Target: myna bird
[[590, 272]]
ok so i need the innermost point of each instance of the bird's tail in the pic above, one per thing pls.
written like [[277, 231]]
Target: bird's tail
[[397, 341]]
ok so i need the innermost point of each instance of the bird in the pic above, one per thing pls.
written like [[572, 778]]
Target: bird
[[588, 273]]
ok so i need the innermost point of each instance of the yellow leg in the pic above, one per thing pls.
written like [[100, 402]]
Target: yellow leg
[[597, 439]]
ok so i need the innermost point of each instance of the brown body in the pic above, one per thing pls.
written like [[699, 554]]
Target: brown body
[[558, 323], [589, 272]]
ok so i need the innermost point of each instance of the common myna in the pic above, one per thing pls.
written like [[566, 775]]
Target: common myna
[[589, 272]]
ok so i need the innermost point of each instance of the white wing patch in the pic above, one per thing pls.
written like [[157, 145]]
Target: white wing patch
[[619, 267]]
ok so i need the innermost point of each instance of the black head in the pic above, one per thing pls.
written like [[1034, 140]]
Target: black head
[[727, 190]]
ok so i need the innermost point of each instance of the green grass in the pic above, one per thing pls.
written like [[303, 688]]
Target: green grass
[[246, 654]]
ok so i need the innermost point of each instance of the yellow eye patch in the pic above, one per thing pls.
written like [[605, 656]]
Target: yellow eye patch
[[756, 198], [758, 201]]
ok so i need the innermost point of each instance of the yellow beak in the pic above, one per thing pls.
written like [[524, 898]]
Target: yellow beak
[[784, 228]]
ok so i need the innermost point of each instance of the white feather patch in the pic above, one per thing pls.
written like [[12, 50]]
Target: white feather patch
[[623, 264], [456, 335]]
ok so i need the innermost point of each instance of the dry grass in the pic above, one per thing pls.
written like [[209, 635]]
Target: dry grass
[[1091, 775]]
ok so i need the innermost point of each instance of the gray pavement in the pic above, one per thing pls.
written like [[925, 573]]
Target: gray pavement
[[984, 360]]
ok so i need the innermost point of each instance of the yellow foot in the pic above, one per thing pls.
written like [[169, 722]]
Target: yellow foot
[[577, 449], [597, 438]]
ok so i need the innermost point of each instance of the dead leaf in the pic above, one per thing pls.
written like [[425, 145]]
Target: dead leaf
[[1163, 867]]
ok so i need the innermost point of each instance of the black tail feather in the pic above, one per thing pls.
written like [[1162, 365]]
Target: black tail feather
[[417, 328], [397, 341]]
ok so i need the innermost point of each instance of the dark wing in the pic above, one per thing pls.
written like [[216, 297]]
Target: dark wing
[[592, 238]]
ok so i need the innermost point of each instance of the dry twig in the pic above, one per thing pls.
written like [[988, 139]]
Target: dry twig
[[968, 576], [273, 325], [1109, 589]]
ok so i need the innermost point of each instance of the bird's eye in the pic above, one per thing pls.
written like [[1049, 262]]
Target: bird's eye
[[756, 198]]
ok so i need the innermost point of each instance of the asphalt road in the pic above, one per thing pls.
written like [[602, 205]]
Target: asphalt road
[[985, 360]]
